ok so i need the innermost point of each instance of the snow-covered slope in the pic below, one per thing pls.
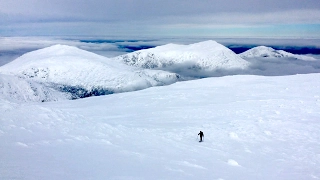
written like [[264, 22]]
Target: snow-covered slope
[[255, 128], [16, 89], [83, 73], [263, 51], [197, 59]]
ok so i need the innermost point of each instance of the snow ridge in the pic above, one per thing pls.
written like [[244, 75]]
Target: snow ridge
[[268, 52], [207, 56]]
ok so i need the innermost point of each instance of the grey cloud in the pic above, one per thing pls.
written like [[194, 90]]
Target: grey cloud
[[150, 17], [111, 10]]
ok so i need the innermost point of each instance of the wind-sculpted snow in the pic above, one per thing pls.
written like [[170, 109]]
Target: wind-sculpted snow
[[268, 52], [82, 74], [203, 59]]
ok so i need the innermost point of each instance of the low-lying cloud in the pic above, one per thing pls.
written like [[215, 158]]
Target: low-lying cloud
[[258, 66]]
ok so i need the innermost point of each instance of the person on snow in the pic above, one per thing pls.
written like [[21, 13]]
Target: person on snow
[[201, 135]]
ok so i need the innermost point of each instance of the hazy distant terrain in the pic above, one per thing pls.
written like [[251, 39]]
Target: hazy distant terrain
[[13, 47]]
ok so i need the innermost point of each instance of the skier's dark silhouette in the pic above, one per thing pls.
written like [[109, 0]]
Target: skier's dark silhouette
[[201, 135]]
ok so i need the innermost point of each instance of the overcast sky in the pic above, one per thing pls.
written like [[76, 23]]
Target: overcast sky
[[132, 18]]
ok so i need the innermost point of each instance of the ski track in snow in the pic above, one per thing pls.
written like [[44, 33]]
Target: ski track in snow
[[254, 128]]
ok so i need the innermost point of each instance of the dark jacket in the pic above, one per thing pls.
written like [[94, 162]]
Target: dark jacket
[[201, 134]]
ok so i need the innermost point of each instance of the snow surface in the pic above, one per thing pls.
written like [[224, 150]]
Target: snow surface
[[268, 52], [16, 89], [199, 59], [254, 128], [82, 73]]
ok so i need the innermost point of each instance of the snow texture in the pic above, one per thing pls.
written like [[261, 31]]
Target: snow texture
[[255, 128], [16, 89]]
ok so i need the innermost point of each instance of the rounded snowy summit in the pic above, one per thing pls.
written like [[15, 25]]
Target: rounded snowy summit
[[207, 55], [268, 52]]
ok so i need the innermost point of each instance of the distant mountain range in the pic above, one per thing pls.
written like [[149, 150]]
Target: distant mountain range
[[65, 72]]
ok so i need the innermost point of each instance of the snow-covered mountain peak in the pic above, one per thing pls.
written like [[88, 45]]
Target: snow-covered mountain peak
[[268, 52], [53, 62], [261, 51], [203, 47], [202, 57], [60, 49], [83, 73], [57, 49], [263, 48], [54, 53], [207, 44]]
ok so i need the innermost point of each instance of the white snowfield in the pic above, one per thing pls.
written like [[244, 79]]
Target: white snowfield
[[196, 59], [254, 127], [268, 52], [68, 69]]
